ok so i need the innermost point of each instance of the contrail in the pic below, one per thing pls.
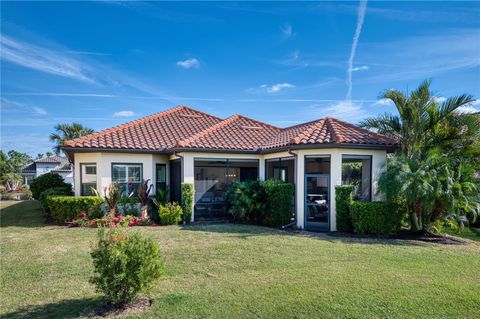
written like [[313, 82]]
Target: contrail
[[358, 30]]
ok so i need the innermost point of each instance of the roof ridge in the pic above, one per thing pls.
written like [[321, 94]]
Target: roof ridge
[[317, 124], [128, 124], [260, 122], [331, 128], [211, 129], [333, 120]]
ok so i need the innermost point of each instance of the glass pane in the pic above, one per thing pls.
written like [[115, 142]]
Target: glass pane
[[317, 199], [357, 172], [134, 173], [161, 173], [318, 165], [211, 184], [88, 179], [119, 173]]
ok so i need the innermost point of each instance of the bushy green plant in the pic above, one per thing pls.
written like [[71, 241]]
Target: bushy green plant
[[375, 218], [55, 191], [125, 264], [112, 195], [279, 208], [249, 202], [46, 181], [127, 205], [170, 214], [66, 208], [343, 200], [188, 194]]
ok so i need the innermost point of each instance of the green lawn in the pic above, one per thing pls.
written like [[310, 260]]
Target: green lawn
[[233, 271]]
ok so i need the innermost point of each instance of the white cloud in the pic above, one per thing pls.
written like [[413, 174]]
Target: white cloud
[[287, 30], [277, 87], [43, 59], [469, 108], [124, 114], [361, 15], [39, 110], [384, 102], [347, 110], [439, 99], [189, 63], [360, 68]]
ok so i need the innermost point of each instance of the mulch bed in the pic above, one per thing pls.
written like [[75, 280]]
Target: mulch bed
[[105, 310], [423, 236]]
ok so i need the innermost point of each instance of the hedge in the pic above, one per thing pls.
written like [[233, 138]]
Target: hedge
[[343, 200], [280, 196], [188, 194], [66, 208], [46, 181], [375, 218], [55, 191]]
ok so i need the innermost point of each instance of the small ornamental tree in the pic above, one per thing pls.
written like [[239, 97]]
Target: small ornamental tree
[[126, 264]]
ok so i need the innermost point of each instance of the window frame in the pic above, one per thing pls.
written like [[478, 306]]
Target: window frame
[[126, 164], [164, 173], [362, 157], [81, 175]]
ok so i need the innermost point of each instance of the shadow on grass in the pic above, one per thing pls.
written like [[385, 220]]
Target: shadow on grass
[[22, 214], [68, 309], [245, 231]]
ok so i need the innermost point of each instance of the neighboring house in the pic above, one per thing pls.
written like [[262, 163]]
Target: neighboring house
[[55, 164], [185, 145]]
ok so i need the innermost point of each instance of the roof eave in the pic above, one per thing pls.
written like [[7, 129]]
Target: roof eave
[[388, 148]]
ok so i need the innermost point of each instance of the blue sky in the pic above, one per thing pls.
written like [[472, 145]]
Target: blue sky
[[105, 63]]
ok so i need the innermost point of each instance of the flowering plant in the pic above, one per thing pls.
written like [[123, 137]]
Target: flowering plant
[[110, 220]]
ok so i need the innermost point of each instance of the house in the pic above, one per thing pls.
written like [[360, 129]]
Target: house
[[185, 145], [46, 164]]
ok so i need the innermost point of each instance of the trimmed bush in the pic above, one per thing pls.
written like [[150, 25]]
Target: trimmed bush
[[66, 208], [375, 218], [46, 181], [55, 191], [343, 200], [280, 196], [170, 214], [188, 194], [126, 264]]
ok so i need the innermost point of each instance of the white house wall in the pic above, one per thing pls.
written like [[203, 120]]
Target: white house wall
[[104, 166]]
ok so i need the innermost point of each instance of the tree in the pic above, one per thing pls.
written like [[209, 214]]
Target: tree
[[433, 173], [421, 120], [65, 132], [11, 165]]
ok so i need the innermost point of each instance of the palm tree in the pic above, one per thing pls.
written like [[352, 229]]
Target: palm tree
[[65, 132], [421, 119]]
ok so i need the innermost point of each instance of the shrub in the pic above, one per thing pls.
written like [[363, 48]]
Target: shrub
[[46, 181], [170, 214], [125, 265], [343, 200], [249, 201], [66, 208], [24, 195], [55, 191], [375, 218], [188, 194], [280, 196]]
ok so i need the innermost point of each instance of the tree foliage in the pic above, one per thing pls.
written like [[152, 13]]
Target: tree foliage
[[65, 132]]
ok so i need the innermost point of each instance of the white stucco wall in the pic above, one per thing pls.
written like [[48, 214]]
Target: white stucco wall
[[104, 166], [105, 160], [43, 168]]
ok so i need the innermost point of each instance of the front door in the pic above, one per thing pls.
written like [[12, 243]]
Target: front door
[[317, 202]]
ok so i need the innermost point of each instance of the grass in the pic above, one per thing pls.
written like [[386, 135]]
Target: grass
[[467, 233], [236, 271]]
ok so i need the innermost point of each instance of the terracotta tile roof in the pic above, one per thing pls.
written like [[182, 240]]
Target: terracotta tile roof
[[155, 132], [234, 133], [183, 128]]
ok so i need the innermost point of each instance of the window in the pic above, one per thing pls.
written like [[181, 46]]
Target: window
[[357, 171], [280, 169], [88, 179], [127, 176], [160, 177], [317, 165]]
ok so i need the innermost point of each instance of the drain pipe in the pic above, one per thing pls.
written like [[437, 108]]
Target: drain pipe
[[295, 155]]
